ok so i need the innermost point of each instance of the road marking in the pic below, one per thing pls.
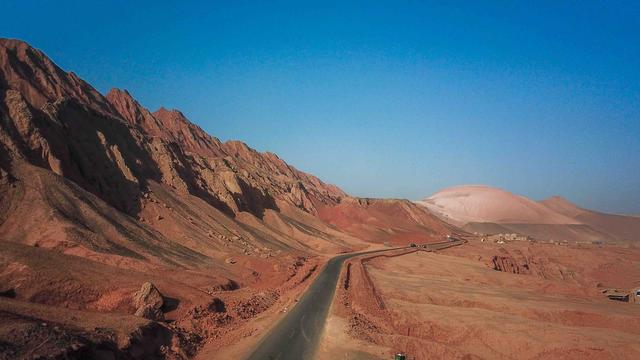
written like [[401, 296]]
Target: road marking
[[304, 334]]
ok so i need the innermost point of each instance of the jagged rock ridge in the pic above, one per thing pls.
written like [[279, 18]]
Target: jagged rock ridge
[[99, 195], [61, 123]]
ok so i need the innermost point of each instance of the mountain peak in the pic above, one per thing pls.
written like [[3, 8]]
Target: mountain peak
[[557, 199], [134, 113], [20, 46], [115, 92], [176, 127], [561, 205], [170, 112], [172, 118], [40, 81], [122, 96]]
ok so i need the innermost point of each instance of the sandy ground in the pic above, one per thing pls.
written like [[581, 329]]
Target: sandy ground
[[454, 304], [238, 342]]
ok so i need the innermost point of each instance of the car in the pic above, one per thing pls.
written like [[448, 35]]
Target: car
[[413, 245]]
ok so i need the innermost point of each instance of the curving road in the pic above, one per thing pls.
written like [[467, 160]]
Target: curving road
[[296, 336]]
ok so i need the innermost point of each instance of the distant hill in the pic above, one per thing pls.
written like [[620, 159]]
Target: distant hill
[[621, 227], [478, 203], [483, 209]]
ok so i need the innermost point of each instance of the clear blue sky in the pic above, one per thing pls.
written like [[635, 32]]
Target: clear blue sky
[[384, 99]]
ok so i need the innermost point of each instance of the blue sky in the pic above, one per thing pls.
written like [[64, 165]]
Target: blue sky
[[384, 99]]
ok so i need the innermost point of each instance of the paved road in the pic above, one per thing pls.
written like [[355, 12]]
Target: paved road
[[296, 336]]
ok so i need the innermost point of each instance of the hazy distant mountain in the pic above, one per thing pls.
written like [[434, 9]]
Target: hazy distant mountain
[[484, 209], [622, 227], [477, 203]]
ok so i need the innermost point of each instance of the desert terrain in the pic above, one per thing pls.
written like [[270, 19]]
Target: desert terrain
[[534, 280], [127, 233], [486, 210], [484, 300]]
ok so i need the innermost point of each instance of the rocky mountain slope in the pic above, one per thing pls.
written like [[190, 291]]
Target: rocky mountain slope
[[100, 195]]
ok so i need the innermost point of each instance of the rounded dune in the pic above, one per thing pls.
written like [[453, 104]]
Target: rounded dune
[[478, 203]]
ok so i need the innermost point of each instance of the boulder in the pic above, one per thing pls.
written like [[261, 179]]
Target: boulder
[[217, 305], [151, 313], [148, 301]]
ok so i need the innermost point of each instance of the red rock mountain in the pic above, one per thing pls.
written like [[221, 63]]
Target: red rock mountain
[[98, 195]]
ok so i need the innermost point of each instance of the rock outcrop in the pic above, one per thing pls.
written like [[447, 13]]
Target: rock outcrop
[[148, 302], [511, 265]]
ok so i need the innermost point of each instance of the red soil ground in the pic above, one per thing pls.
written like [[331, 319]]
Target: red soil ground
[[544, 301]]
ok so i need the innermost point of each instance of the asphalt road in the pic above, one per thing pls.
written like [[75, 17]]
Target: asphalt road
[[296, 336]]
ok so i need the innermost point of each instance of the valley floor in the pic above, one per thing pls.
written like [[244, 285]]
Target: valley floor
[[518, 300]]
